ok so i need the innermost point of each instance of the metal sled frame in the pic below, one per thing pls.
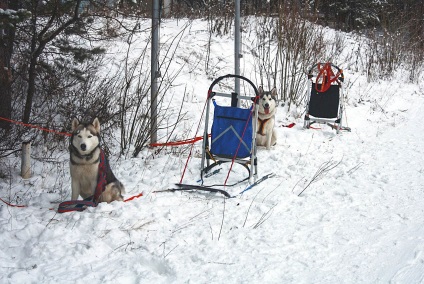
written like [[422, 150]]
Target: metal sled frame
[[250, 162], [335, 120]]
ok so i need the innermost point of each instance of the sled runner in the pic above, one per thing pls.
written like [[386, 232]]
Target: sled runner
[[325, 96], [190, 187]]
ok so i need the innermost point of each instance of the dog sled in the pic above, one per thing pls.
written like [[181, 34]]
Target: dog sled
[[233, 131], [231, 137], [324, 98]]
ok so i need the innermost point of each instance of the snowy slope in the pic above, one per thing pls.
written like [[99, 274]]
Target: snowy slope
[[359, 221]]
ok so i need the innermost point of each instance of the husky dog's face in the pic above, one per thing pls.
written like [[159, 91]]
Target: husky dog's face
[[85, 137], [267, 101]]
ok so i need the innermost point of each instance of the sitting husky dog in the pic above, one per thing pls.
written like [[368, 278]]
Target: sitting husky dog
[[85, 160], [266, 135]]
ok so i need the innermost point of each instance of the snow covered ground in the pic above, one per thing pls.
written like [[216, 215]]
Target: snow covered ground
[[359, 218]]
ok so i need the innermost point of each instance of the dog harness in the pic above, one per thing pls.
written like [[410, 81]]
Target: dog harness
[[101, 178], [92, 201], [262, 123]]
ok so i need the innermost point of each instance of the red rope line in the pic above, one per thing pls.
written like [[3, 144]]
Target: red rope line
[[289, 125], [197, 130], [328, 77], [133, 197], [178, 143], [241, 139], [172, 143], [35, 126], [13, 205]]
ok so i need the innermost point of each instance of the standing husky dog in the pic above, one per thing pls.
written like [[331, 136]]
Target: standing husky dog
[[266, 135], [84, 162]]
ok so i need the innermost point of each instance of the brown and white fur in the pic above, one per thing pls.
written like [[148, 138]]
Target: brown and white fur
[[84, 164], [266, 134]]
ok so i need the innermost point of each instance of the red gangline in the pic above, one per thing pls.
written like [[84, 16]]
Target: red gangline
[[13, 205], [35, 126], [197, 130], [172, 143], [238, 147], [178, 143], [133, 197]]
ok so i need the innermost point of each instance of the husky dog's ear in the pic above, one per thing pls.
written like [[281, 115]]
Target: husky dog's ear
[[261, 91], [274, 92], [75, 124], [96, 125]]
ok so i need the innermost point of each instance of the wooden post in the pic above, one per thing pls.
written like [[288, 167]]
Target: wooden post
[[26, 160]]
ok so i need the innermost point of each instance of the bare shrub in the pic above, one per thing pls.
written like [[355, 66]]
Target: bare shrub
[[300, 44], [286, 46], [134, 92]]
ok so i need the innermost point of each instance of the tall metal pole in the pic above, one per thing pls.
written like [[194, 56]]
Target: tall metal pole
[[237, 54], [155, 73]]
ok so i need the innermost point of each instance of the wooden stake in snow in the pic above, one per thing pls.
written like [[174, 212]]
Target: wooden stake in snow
[[26, 160]]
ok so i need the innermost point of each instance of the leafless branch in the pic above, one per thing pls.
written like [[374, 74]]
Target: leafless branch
[[222, 221], [321, 172]]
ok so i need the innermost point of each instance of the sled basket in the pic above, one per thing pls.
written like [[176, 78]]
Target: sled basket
[[229, 124], [324, 97]]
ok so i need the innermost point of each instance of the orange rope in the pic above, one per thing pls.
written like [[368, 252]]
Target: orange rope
[[13, 205], [133, 197], [35, 126], [197, 130], [241, 140], [177, 143], [328, 77], [173, 143]]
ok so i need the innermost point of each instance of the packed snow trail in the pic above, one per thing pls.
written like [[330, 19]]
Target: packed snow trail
[[360, 223]]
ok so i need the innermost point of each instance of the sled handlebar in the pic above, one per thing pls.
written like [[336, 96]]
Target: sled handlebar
[[339, 71], [211, 94]]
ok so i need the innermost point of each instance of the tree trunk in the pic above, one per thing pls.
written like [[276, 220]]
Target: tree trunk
[[32, 65], [30, 91], [6, 48], [38, 43]]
